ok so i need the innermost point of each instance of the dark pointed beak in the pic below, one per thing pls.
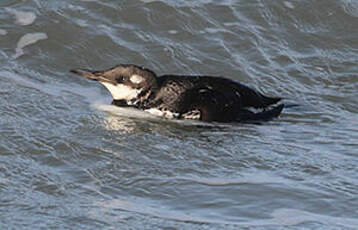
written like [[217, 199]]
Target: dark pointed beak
[[85, 73], [92, 75]]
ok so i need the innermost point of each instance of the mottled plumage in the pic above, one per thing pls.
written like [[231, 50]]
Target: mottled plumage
[[204, 98]]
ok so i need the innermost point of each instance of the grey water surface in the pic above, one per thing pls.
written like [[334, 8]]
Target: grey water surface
[[69, 160]]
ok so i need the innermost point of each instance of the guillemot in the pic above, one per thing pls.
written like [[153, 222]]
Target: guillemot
[[205, 98]]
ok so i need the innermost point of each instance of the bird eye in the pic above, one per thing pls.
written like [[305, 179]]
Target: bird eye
[[120, 79]]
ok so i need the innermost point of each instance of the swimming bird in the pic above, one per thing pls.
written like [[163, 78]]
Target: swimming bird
[[205, 98]]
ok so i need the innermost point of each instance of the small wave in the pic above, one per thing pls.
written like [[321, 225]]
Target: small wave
[[137, 113], [3, 32], [140, 206], [290, 217], [257, 178], [149, 1], [288, 4], [22, 18], [280, 217], [126, 112], [90, 94], [351, 7], [26, 40], [23, 81]]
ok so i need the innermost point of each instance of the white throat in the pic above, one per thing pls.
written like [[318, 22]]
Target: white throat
[[121, 92]]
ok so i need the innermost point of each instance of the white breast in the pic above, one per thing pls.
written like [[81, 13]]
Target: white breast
[[121, 92]]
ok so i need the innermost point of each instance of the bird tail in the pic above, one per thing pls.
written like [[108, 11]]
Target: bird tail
[[266, 115], [267, 101]]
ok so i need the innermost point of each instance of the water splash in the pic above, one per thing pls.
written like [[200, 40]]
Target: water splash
[[26, 40]]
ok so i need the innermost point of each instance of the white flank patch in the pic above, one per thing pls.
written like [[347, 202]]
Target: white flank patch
[[26, 40], [121, 92], [23, 18], [136, 79], [160, 113]]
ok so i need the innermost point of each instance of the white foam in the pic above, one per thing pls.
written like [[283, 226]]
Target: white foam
[[26, 40], [141, 114], [160, 113], [3, 32], [288, 4], [22, 18], [122, 125], [125, 112]]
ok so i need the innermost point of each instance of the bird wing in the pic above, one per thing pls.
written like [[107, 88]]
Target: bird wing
[[232, 89], [206, 104]]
